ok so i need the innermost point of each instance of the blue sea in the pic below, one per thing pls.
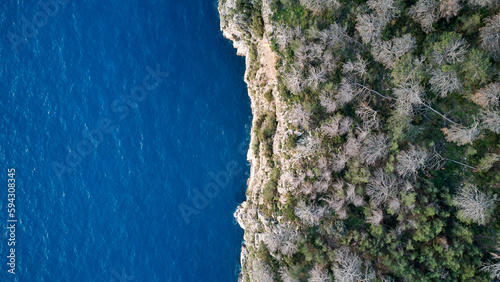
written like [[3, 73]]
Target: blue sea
[[127, 123]]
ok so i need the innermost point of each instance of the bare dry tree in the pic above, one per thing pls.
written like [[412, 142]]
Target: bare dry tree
[[326, 174], [394, 205], [323, 163], [297, 32], [369, 27], [410, 161], [388, 52], [435, 160], [288, 183], [490, 36], [308, 53], [386, 279], [307, 147], [352, 196], [375, 148], [473, 205], [381, 188], [357, 67], [482, 3], [319, 274], [348, 267], [329, 61], [385, 9], [327, 100], [449, 8], [444, 83], [346, 92], [425, 12], [358, 201], [376, 217], [311, 214], [282, 238], [361, 133], [285, 276], [294, 80], [319, 5], [338, 161], [282, 34], [402, 45], [335, 35], [368, 273], [488, 95], [351, 146], [331, 128], [307, 188], [407, 187], [461, 135], [299, 116], [260, 271], [493, 267], [302, 55], [336, 200], [408, 95], [350, 89], [345, 125], [337, 204], [314, 51], [320, 186], [368, 116], [453, 52], [490, 119], [315, 77]]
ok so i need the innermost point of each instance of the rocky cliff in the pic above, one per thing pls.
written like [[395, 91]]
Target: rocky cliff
[[260, 76]]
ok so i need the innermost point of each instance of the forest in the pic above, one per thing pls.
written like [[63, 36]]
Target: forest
[[388, 164]]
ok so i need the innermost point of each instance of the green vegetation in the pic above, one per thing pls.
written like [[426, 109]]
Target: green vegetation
[[251, 10], [269, 95]]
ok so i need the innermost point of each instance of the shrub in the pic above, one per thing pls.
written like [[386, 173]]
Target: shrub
[[291, 141], [269, 95], [270, 191], [258, 23]]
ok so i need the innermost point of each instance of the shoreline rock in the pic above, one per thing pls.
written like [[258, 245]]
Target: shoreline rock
[[260, 77]]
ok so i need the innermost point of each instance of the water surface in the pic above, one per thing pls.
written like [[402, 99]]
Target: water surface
[[115, 216]]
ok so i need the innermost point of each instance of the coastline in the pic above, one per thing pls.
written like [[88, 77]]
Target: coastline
[[260, 76]]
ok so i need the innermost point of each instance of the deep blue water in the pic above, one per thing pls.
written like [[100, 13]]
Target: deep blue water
[[113, 215]]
